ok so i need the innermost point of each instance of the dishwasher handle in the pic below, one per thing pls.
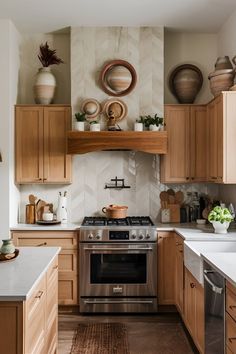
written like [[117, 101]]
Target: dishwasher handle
[[214, 287]]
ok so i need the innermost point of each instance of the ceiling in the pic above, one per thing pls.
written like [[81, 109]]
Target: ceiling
[[48, 16]]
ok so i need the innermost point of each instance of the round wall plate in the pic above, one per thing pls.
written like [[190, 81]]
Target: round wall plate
[[115, 107], [118, 78], [91, 108]]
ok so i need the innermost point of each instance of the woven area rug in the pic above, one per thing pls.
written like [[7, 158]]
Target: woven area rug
[[100, 338]]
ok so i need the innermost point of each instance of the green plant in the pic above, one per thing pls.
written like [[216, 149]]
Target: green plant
[[93, 122], [148, 120], [80, 117], [48, 56], [220, 214]]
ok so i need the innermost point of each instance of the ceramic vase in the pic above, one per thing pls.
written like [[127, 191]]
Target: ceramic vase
[[95, 127], [7, 247], [138, 127], [154, 127], [79, 126], [220, 228], [45, 84]]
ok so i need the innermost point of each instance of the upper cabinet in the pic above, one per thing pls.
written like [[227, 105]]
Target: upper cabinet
[[40, 144], [185, 161]]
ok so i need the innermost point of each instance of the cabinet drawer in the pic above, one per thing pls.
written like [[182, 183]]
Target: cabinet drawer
[[68, 261], [67, 289], [35, 319], [65, 240], [231, 333], [231, 303], [51, 340]]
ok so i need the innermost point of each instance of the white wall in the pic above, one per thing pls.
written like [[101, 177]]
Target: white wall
[[9, 68], [30, 64], [199, 49]]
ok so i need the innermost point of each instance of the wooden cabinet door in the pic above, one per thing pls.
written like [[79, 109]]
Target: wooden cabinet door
[[200, 318], [179, 274], [166, 268], [29, 144], [219, 118], [198, 143], [175, 166], [57, 164]]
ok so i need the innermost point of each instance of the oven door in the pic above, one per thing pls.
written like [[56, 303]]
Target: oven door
[[115, 269]]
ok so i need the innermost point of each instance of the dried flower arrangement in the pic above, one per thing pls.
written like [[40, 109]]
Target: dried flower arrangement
[[48, 56]]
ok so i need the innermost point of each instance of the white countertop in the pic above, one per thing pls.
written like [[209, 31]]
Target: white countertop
[[225, 263], [37, 227], [19, 276]]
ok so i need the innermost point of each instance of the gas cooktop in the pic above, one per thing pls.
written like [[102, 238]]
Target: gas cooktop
[[129, 221]]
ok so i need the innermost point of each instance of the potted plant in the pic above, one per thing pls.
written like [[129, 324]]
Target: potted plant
[[153, 123], [220, 219], [45, 84], [80, 119], [138, 125], [94, 126]]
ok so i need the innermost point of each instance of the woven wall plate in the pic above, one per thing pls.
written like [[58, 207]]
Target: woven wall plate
[[116, 106], [118, 78], [91, 108]]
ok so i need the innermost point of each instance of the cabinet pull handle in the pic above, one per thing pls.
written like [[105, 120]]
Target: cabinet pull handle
[[180, 251], [192, 178], [45, 179], [232, 307], [232, 339], [187, 178], [42, 244], [38, 179], [192, 285], [40, 294], [55, 267], [212, 177]]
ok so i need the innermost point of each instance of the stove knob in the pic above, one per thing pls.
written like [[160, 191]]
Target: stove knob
[[90, 236], [133, 236], [141, 237], [148, 236], [98, 237]]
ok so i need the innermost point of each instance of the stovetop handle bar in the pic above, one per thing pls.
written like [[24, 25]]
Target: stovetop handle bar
[[99, 302], [117, 249]]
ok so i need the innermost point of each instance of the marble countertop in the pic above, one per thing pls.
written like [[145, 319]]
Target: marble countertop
[[19, 276], [224, 263], [37, 227]]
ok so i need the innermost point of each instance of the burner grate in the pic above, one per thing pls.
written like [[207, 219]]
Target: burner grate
[[129, 221]]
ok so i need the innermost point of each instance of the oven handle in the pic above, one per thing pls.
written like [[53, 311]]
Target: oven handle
[[99, 302], [117, 249]]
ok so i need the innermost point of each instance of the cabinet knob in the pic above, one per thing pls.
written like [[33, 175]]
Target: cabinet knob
[[39, 295], [38, 179], [192, 285], [45, 179], [187, 178]]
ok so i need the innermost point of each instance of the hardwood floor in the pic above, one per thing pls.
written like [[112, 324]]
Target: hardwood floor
[[152, 334]]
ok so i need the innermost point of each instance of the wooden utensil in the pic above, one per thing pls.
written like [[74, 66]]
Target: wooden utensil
[[171, 192], [171, 199], [179, 197], [32, 199], [164, 196]]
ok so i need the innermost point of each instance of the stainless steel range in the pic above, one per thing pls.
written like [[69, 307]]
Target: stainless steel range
[[118, 265]]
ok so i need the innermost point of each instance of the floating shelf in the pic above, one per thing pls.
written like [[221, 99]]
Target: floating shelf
[[147, 141]]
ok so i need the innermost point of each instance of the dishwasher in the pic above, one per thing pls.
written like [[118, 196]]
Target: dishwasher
[[214, 288]]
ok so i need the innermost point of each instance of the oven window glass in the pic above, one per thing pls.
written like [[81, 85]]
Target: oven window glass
[[118, 268]]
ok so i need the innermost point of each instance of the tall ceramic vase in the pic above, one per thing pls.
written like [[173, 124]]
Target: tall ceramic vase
[[45, 84]]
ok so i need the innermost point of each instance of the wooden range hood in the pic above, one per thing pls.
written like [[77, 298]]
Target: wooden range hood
[[148, 141]]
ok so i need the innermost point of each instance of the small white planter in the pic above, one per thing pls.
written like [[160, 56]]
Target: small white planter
[[138, 127], [79, 126], [95, 127], [154, 127], [220, 228]]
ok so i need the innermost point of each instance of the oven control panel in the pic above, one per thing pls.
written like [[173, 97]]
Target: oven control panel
[[115, 235]]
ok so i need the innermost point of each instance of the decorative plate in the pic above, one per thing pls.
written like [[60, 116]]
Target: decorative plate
[[91, 108], [115, 108], [9, 257], [51, 222], [118, 78]]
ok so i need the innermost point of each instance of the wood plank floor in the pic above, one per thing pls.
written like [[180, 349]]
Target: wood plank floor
[[153, 334]]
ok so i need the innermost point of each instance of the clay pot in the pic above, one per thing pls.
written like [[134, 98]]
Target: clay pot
[[185, 82], [45, 84], [115, 211], [221, 80]]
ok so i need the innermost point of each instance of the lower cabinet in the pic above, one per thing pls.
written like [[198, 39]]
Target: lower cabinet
[[166, 268], [230, 319], [179, 274], [194, 310], [68, 265], [30, 327]]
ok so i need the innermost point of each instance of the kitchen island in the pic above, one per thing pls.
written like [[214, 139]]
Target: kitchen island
[[29, 302]]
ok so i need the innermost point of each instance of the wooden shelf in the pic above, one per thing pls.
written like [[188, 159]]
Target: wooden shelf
[[147, 141]]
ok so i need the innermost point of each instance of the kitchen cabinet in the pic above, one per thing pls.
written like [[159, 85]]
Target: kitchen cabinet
[[179, 274], [30, 326], [166, 268], [185, 160], [67, 263], [230, 318], [41, 144], [194, 309]]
